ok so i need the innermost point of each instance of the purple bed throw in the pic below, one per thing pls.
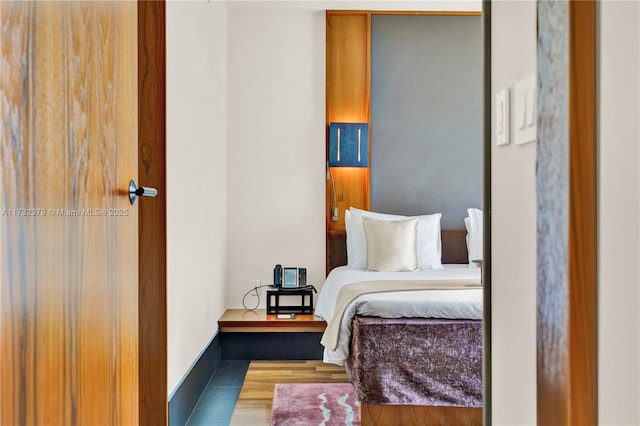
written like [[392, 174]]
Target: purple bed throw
[[416, 361]]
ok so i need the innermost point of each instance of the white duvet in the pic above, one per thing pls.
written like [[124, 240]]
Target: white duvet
[[450, 304]]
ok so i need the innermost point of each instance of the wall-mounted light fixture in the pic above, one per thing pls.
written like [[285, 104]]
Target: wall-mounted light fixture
[[348, 147], [348, 144]]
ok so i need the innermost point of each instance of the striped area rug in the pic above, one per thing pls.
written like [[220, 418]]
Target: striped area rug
[[322, 404]]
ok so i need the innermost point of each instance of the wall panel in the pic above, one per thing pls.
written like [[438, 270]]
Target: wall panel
[[426, 115], [348, 100]]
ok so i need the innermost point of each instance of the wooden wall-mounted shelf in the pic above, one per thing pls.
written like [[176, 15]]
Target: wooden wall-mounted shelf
[[243, 321]]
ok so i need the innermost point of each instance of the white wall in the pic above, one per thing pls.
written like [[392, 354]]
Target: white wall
[[276, 145], [514, 221], [513, 49], [196, 178], [618, 214], [276, 151]]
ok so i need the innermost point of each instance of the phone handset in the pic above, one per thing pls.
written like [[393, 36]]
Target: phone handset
[[277, 276]]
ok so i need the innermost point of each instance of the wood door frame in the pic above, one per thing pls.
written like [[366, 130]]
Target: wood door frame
[[152, 280], [567, 387], [486, 208]]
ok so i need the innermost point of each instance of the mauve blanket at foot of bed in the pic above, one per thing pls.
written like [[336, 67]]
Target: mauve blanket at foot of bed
[[416, 361]]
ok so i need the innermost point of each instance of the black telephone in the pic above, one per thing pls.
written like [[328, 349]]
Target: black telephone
[[277, 276], [299, 280]]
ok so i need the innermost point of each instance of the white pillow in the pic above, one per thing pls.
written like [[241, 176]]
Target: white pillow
[[467, 225], [391, 245], [474, 225], [428, 245]]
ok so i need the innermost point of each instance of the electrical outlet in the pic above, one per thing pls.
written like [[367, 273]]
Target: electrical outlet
[[335, 214]]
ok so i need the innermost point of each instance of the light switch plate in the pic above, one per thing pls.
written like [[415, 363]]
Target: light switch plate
[[524, 123], [502, 117]]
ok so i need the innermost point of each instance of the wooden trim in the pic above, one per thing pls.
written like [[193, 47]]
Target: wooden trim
[[567, 258], [348, 94], [277, 329], [428, 12], [418, 415], [367, 178], [406, 12], [583, 399], [241, 320], [152, 291]]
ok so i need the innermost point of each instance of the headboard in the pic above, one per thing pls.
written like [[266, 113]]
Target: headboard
[[454, 248]]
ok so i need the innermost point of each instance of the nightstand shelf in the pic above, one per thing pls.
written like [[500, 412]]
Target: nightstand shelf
[[256, 335], [243, 321]]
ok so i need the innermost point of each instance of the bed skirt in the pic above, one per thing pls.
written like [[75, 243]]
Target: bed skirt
[[416, 361]]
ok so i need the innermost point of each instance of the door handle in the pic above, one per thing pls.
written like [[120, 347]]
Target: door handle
[[142, 191]]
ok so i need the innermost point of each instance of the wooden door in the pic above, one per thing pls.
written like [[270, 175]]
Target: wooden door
[[69, 254]]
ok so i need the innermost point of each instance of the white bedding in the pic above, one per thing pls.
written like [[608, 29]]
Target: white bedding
[[450, 304]]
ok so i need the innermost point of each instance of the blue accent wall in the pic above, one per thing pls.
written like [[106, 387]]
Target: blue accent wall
[[426, 115]]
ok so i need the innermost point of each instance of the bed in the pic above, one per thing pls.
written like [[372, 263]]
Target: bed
[[410, 351]]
